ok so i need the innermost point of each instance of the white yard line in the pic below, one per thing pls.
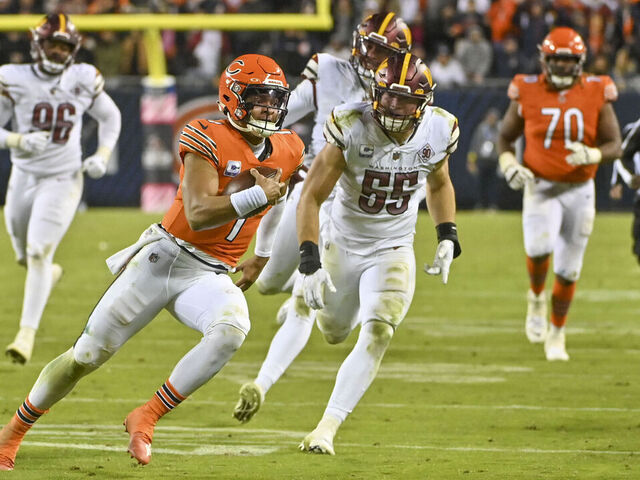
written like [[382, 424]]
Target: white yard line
[[413, 406]]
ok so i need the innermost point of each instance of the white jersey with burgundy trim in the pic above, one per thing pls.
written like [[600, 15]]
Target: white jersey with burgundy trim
[[54, 103], [377, 198], [329, 81]]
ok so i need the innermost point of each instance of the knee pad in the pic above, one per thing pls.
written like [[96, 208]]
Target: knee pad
[[89, 352], [380, 332], [225, 336], [39, 251], [390, 308], [333, 334]]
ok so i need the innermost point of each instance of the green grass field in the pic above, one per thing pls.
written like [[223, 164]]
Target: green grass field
[[460, 394]]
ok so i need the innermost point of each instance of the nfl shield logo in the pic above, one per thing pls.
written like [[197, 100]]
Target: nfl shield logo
[[233, 168]]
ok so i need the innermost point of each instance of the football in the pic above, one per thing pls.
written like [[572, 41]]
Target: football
[[245, 180]]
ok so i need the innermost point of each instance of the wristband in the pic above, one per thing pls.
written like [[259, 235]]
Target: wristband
[[246, 201], [309, 258], [449, 231]]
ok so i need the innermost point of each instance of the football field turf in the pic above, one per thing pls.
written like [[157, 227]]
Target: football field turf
[[460, 393]]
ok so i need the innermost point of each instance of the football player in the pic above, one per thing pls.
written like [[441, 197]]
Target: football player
[[569, 128], [622, 168], [328, 82], [380, 155], [182, 264], [45, 101]]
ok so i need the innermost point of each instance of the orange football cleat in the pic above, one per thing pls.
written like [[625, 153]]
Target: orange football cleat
[[10, 439], [140, 424]]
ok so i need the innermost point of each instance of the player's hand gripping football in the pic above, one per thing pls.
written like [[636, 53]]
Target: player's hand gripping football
[[273, 187], [312, 288], [442, 260]]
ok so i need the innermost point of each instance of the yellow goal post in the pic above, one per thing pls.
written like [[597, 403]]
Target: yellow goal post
[[152, 24]]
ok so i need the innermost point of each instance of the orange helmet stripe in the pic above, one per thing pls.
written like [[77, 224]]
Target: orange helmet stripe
[[63, 22], [385, 22], [405, 67]]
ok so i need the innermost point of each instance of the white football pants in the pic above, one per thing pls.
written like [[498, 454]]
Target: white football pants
[[558, 218], [38, 212], [161, 275]]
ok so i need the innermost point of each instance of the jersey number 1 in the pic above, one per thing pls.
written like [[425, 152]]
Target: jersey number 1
[[569, 115]]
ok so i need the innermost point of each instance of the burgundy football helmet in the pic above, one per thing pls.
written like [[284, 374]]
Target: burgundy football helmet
[[401, 90], [54, 27]]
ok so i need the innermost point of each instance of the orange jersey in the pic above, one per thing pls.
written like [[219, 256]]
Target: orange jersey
[[555, 118], [227, 151]]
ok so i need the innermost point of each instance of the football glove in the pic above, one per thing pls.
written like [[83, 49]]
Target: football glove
[[96, 164], [442, 260], [515, 174], [582, 155], [312, 288], [34, 142]]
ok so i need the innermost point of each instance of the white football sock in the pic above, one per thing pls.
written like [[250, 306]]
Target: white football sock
[[37, 288], [206, 359], [287, 343], [359, 369], [57, 379]]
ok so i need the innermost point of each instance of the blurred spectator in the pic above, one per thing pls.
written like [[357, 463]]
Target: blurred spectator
[[438, 29], [107, 53], [500, 19], [475, 54], [507, 58], [599, 65], [337, 47], [625, 68], [482, 159], [134, 57], [531, 21], [15, 48], [446, 70]]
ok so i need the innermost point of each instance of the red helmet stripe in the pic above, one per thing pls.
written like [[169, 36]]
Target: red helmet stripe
[[385, 23]]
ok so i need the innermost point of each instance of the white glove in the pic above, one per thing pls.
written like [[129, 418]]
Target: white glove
[[35, 142], [515, 174], [96, 164], [442, 260], [312, 288], [582, 155]]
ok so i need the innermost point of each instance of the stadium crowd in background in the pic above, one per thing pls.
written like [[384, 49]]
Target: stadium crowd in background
[[499, 36]]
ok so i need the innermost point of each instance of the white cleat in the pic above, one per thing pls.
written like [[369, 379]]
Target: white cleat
[[554, 346], [250, 401], [20, 350], [536, 324], [321, 439], [56, 274], [283, 311]]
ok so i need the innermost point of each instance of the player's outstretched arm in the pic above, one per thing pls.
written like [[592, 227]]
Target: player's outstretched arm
[[441, 202], [322, 177]]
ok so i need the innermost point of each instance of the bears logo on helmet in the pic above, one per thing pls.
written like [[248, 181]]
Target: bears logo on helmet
[[562, 55], [55, 27], [250, 82], [376, 38], [401, 90]]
